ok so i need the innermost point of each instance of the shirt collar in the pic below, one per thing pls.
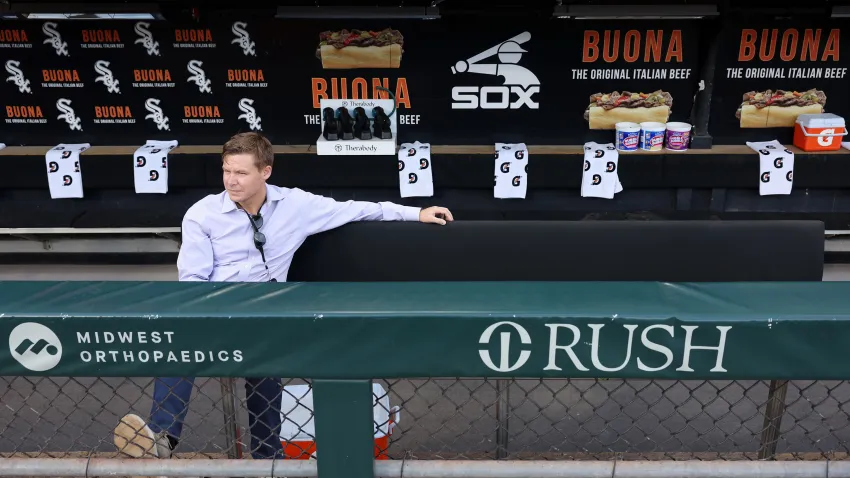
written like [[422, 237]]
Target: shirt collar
[[272, 194]]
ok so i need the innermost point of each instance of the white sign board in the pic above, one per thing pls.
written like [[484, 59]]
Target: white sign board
[[358, 147]]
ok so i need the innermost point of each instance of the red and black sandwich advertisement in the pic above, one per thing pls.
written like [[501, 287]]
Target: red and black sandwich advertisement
[[770, 71]]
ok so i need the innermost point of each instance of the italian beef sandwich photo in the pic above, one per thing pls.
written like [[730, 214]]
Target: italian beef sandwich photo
[[780, 108], [606, 110], [346, 49]]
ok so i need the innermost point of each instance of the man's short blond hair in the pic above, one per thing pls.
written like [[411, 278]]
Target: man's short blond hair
[[250, 143]]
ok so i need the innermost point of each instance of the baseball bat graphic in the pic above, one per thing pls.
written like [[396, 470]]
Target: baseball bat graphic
[[520, 39]]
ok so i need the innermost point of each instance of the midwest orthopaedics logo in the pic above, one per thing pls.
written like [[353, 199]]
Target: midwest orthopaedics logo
[[35, 347], [148, 346]]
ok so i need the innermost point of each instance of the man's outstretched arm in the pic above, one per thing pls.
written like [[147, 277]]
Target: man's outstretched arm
[[326, 213]]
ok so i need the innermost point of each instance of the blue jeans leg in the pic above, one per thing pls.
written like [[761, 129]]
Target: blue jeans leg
[[170, 403], [263, 397]]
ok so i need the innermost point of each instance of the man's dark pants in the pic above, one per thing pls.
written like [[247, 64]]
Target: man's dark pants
[[171, 402]]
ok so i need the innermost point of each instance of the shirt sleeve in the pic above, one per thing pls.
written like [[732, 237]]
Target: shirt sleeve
[[324, 213], [195, 260]]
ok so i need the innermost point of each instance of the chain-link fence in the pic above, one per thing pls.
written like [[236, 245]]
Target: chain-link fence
[[579, 419]]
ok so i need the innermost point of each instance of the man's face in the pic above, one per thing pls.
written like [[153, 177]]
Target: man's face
[[242, 179]]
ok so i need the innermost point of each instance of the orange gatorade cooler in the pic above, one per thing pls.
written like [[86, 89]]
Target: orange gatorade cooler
[[297, 430], [820, 132]]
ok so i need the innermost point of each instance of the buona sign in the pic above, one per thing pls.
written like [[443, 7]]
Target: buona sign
[[567, 344]]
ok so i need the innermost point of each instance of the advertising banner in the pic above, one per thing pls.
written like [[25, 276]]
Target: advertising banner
[[393, 329], [770, 71], [503, 80], [127, 82]]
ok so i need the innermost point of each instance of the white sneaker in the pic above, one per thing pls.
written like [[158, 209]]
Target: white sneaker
[[134, 438]]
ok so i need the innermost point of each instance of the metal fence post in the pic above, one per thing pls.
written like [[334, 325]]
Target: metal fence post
[[773, 411], [503, 389], [345, 428], [231, 425]]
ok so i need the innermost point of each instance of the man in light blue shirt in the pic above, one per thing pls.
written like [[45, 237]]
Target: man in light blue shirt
[[248, 233]]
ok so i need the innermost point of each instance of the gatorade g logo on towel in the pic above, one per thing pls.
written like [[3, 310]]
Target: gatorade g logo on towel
[[519, 154], [788, 151], [400, 165], [765, 177], [53, 166], [790, 176], [586, 165], [596, 179], [610, 167], [526, 169], [67, 180], [412, 178], [610, 148], [423, 163], [141, 161], [66, 154], [599, 153], [516, 181], [764, 152], [154, 175], [770, 146], [411, 152], [777, 163], [826, 140], [505, 167]]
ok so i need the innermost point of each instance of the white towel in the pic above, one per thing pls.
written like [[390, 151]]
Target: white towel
[[776, 167], [64, 174], [150, 166], [415, 174], [600, 171], [2, 145], [510, 171]]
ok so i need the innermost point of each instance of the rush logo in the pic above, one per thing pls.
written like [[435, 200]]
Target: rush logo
[[71, 76], [151, 75], [196, 35], [792, 46], [23, 112], [112, 112], [16, 36], [201, 112], [245, 75], [101, 36], [631, 44], [358, 89]]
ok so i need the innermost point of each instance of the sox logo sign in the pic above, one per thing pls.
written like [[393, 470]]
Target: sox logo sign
[[520, 84], [146, 38], [17, 76]]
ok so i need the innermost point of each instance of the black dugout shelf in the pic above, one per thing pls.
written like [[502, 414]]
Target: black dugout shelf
[[719, 183]]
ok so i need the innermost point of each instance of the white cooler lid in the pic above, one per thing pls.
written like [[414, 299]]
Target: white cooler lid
[[823, 120], [297, 412]]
